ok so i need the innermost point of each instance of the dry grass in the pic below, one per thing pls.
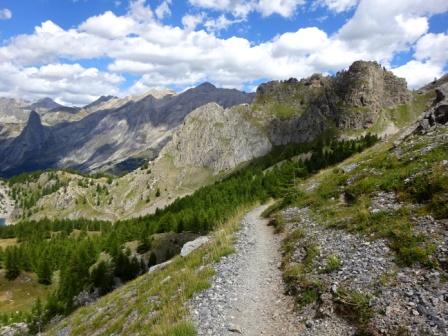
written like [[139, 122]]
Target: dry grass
[[7, 242], [20, 294]]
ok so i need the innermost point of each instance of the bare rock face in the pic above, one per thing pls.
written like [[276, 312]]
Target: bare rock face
[[216, 138], [353, 99], [363, 91], [435, 116]]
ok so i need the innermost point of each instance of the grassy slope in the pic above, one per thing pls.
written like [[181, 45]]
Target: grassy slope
[[154, 304], [418, 178], [20, 294]]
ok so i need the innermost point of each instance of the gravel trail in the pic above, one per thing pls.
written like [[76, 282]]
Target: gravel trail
[[247, 294]]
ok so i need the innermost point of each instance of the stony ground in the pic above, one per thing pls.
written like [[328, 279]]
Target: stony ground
[[247, 293], [403, 301]]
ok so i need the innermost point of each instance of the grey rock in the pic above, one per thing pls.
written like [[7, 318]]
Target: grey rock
[[193, 245], [159, 266], [16, 329]]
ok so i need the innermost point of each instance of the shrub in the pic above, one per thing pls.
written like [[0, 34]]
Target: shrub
[[355, 307], [333, 263]]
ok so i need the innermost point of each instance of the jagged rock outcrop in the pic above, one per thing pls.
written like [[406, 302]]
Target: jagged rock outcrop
[[363, 91], [216, 138], [353, 99], [27, 146], [435, 116]]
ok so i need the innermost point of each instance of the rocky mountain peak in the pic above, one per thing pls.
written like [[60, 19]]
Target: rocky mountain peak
[[364, 90], [34, 127], [45, 103], [205, 87], [100, 100]]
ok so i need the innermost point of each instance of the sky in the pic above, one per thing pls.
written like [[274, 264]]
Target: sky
[[77, 50]]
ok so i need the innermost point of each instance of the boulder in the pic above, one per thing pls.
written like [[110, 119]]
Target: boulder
[[16, 329], [193, 245], [159, 266]]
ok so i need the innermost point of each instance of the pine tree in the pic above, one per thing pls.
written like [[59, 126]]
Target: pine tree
[[44, 272], [102, 278], [12, 263]]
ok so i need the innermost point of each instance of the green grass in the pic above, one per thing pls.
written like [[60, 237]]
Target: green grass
[[278, 223], [333, 263], [421, 186], [355, 307], [284, 111], [403, 114]]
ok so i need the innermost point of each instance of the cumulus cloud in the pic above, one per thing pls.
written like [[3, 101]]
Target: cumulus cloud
[[5, 14], [418, 73], [433, 47], [108, 25], [163, 55], [69, 83], [190, 21]]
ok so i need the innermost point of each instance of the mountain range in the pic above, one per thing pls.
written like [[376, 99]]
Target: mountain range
[[110, 131], [184, 141]]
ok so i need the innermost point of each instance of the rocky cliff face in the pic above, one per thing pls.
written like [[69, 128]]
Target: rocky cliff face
[[216, 138], [363, 91], [27, 146], [353, 99]]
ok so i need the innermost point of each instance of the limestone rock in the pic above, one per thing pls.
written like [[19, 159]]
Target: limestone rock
[[193, 245], [216, 138]]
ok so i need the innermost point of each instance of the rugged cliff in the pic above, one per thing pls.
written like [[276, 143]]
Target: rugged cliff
[[216, 138]]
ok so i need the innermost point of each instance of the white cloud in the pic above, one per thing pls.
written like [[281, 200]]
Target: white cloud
[[338, 6], [5, 14], [285, 8], [433, 47], [220, 23], [69, 83], [302, 42], [163, 10], [190, 21], [140, 12], [418, 73], [241, 8], [108, 25]]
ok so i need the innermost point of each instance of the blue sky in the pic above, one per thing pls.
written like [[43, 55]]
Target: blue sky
[[74, 51]]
